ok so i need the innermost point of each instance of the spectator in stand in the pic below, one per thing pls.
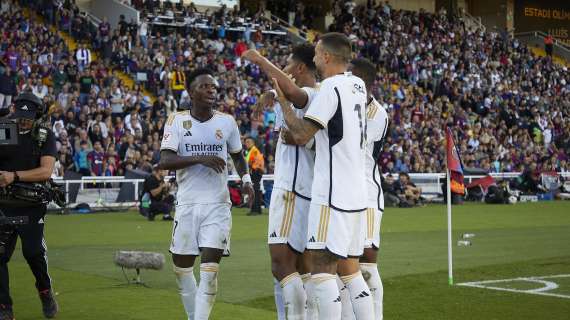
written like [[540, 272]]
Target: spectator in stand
[[178, 82], [548, 45], [96, 158], [7, 87], [86, 82], [81, 161], [83, 56], [104, 28]]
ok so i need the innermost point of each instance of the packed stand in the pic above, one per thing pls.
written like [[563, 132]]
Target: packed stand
[[87, 100], [106, 127], [509, 108]]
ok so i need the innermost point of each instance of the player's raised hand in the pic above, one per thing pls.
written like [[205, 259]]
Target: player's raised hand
[[216, 163], [280, 93], [290, 76], [265, 100], [252, 55], [247, 188]]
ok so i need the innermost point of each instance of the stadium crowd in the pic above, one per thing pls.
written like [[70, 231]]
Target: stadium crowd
[[104, 126], [509, 108]]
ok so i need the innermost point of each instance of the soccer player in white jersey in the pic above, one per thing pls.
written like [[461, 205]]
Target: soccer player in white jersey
[[376, 128], [290, 199], [336, 118], [196, 144]]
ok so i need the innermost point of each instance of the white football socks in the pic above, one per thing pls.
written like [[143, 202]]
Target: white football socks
[[359, 296], [187, 285], [347, 312], [278, 293], [311, 308], [207, 290], [294, 297], [372, 277], [324, 291]]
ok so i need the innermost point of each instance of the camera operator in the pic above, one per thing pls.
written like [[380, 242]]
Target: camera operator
[[32, 160], [161, 201]]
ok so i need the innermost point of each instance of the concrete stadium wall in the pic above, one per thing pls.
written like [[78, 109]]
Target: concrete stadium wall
[[112, 9], [493, 13]]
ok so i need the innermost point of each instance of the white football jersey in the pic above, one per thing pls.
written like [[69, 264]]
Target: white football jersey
[[187, 136], [294, 164], [339, 109], [376, 127]]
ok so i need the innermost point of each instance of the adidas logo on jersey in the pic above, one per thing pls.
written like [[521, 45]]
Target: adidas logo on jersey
[[363, 294], [188, 134], [312, 239], [273, 235]]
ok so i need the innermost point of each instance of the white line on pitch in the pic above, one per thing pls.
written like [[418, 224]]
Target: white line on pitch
[[549, 285]]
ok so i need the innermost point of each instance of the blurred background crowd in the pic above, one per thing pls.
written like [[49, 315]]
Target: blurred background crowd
[[510, 108]]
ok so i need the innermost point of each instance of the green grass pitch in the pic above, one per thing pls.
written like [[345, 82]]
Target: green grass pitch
[[511, 241]]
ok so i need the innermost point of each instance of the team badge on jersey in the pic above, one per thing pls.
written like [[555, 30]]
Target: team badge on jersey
[[219, 134], [187, 124]]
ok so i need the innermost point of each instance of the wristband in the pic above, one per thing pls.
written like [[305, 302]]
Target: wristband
[[274, 93], [246, 178], [16, 177]]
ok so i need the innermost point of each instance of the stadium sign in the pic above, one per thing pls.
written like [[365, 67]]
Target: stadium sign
[[550, 16]]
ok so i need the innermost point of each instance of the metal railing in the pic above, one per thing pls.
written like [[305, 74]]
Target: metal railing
[[298, 35], [536, 38], [474, 20], [103, 192]]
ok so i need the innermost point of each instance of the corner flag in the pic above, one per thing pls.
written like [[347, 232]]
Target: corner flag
[[454, 166], [454, 183]]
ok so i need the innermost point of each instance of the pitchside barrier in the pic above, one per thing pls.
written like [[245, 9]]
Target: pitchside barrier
[[123, 191]]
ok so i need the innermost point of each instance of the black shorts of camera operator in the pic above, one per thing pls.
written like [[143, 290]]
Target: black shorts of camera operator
[[161, 201], [31, 160]]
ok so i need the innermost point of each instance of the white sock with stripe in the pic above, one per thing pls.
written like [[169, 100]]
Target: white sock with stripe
[[347, 312], [372, 277], [294, 297], [360, 296], [310, 308], [324, 291], [207, 290], [278, 293], [187, 285]]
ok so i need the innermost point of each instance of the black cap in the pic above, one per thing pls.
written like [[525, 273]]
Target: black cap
[[28, 106]]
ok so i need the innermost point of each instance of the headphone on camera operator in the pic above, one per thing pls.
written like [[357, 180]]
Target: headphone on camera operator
[[31, 115]]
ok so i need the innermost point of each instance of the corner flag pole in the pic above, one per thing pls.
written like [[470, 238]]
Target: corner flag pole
[[449, 245]]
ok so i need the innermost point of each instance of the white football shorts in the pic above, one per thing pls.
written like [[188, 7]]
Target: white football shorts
[[288, 218], [339, 232], [198, 226]]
